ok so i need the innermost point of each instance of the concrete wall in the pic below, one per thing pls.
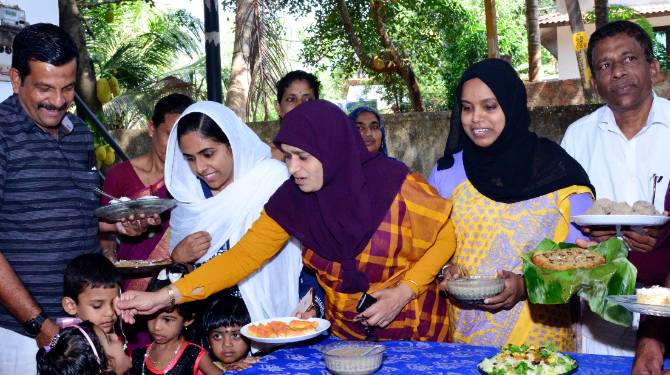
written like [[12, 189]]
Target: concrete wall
[[417, 138]]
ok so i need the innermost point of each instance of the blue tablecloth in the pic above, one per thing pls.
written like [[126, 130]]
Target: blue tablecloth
[[414, 357]]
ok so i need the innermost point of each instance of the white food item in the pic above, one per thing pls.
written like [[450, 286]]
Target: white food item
[[656, 295], [148, 197], [124, 199]]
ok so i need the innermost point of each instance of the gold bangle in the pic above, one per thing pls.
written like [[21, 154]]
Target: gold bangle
[[171, 298]]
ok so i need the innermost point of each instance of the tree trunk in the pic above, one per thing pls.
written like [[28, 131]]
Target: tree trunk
[[534, 44], [602, 16], [491, 28], [580, 43], [240, 72], [72, 22]]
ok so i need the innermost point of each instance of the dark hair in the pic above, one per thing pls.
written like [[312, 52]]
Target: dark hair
[[89, 271], [297, 75], [71, 353], [186, 310], [171, 104], [203, 124], [611, 29], [42, 42], [225, 311]]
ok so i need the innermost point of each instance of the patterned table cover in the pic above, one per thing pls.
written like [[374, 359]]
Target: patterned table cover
[[414, 357]]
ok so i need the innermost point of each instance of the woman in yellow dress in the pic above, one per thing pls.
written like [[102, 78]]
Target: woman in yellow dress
[[511, 190]]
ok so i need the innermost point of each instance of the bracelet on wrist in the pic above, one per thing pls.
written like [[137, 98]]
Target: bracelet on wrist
[[171, 297]]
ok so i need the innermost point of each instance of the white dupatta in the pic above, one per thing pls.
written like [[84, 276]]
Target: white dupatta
[[272, 291]]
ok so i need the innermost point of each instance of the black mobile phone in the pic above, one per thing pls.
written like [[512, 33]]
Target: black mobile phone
[[365, 302]]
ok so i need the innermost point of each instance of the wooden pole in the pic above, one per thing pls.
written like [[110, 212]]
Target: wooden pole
[[491, 28], [580, 42]]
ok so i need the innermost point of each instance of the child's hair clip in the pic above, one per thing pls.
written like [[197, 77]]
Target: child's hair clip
[[167, 275], [53, 342]]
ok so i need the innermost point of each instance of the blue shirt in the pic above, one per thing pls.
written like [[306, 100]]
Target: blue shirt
[[46, 203]]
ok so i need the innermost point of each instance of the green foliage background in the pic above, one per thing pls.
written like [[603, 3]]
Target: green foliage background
[[440, 38]]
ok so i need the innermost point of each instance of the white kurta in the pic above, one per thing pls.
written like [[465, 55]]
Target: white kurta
[[621, 170]]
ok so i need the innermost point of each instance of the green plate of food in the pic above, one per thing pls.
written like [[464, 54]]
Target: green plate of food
[[528, 360]]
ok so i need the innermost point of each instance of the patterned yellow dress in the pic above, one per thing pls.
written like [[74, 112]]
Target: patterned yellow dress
[[491, 236]]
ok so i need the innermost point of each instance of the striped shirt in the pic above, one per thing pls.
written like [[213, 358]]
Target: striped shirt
[[46, 203]]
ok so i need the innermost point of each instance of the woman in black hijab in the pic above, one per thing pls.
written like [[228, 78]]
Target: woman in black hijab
[[511, 189]]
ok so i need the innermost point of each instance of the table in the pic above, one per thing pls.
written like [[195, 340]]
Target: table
[[414, 357]]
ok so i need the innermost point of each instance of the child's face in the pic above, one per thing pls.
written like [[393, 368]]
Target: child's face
[[119, 362], [166, 326], [228, 344], [95, 305]]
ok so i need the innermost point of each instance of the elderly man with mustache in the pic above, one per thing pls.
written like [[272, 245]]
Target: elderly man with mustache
[[623, 148], [46, 192]]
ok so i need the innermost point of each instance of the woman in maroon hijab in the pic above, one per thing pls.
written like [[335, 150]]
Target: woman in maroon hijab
[[368, 225]]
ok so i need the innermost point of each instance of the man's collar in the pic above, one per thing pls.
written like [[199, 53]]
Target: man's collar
[[606, 120]]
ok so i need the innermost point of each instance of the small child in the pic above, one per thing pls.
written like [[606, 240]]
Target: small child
[[170, 352], [91, 283], [83, 349], [222, 321]]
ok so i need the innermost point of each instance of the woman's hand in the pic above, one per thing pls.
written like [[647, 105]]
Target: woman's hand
[[515, 291], [192, 247], [135, 226], [449, 272], [134, 302], [389, 303]]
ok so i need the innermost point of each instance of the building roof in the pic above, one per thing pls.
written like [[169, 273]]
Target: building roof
[[652, 10]]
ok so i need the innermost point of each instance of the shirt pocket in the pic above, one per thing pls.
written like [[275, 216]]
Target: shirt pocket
[[85, 183]]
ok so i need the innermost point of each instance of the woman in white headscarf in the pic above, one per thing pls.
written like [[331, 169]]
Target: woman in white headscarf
[[222, 174]]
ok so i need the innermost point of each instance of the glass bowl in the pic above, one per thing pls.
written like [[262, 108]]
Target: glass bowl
[[353, 357], [475, 288]]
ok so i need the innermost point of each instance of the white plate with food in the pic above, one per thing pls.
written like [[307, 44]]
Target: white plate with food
[[141, 266], [613, 220], [284, 330], [528, 359], [648, 301]]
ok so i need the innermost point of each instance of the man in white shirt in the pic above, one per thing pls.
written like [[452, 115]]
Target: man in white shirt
[[624, 148]]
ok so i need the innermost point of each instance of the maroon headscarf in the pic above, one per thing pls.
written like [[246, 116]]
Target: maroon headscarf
[[337, 221]]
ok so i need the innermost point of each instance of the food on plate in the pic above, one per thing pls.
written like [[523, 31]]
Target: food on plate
[[148, 197], [605, 206], [276, 328], [568, 259], [655, 295], [129, 263], [121, 199], [528, 359]]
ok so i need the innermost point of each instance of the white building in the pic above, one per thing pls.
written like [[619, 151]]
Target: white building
[[557, 38]]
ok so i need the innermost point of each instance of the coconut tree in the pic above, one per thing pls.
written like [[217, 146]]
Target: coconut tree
[[137, 46], [600, 9], [258, 59], [534, 45]]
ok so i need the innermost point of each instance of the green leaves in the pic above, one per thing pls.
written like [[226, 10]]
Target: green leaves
[[439, 38]]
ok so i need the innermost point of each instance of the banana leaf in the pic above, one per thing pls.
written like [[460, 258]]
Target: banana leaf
[[615, 277]]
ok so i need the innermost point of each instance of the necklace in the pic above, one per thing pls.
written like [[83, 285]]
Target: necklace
[[158, 363]]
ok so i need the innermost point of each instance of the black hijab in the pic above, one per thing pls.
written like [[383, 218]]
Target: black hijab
[[519, 165]]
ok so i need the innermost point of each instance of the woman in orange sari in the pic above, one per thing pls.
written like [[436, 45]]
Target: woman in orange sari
[[140, 177], [367, 224]]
